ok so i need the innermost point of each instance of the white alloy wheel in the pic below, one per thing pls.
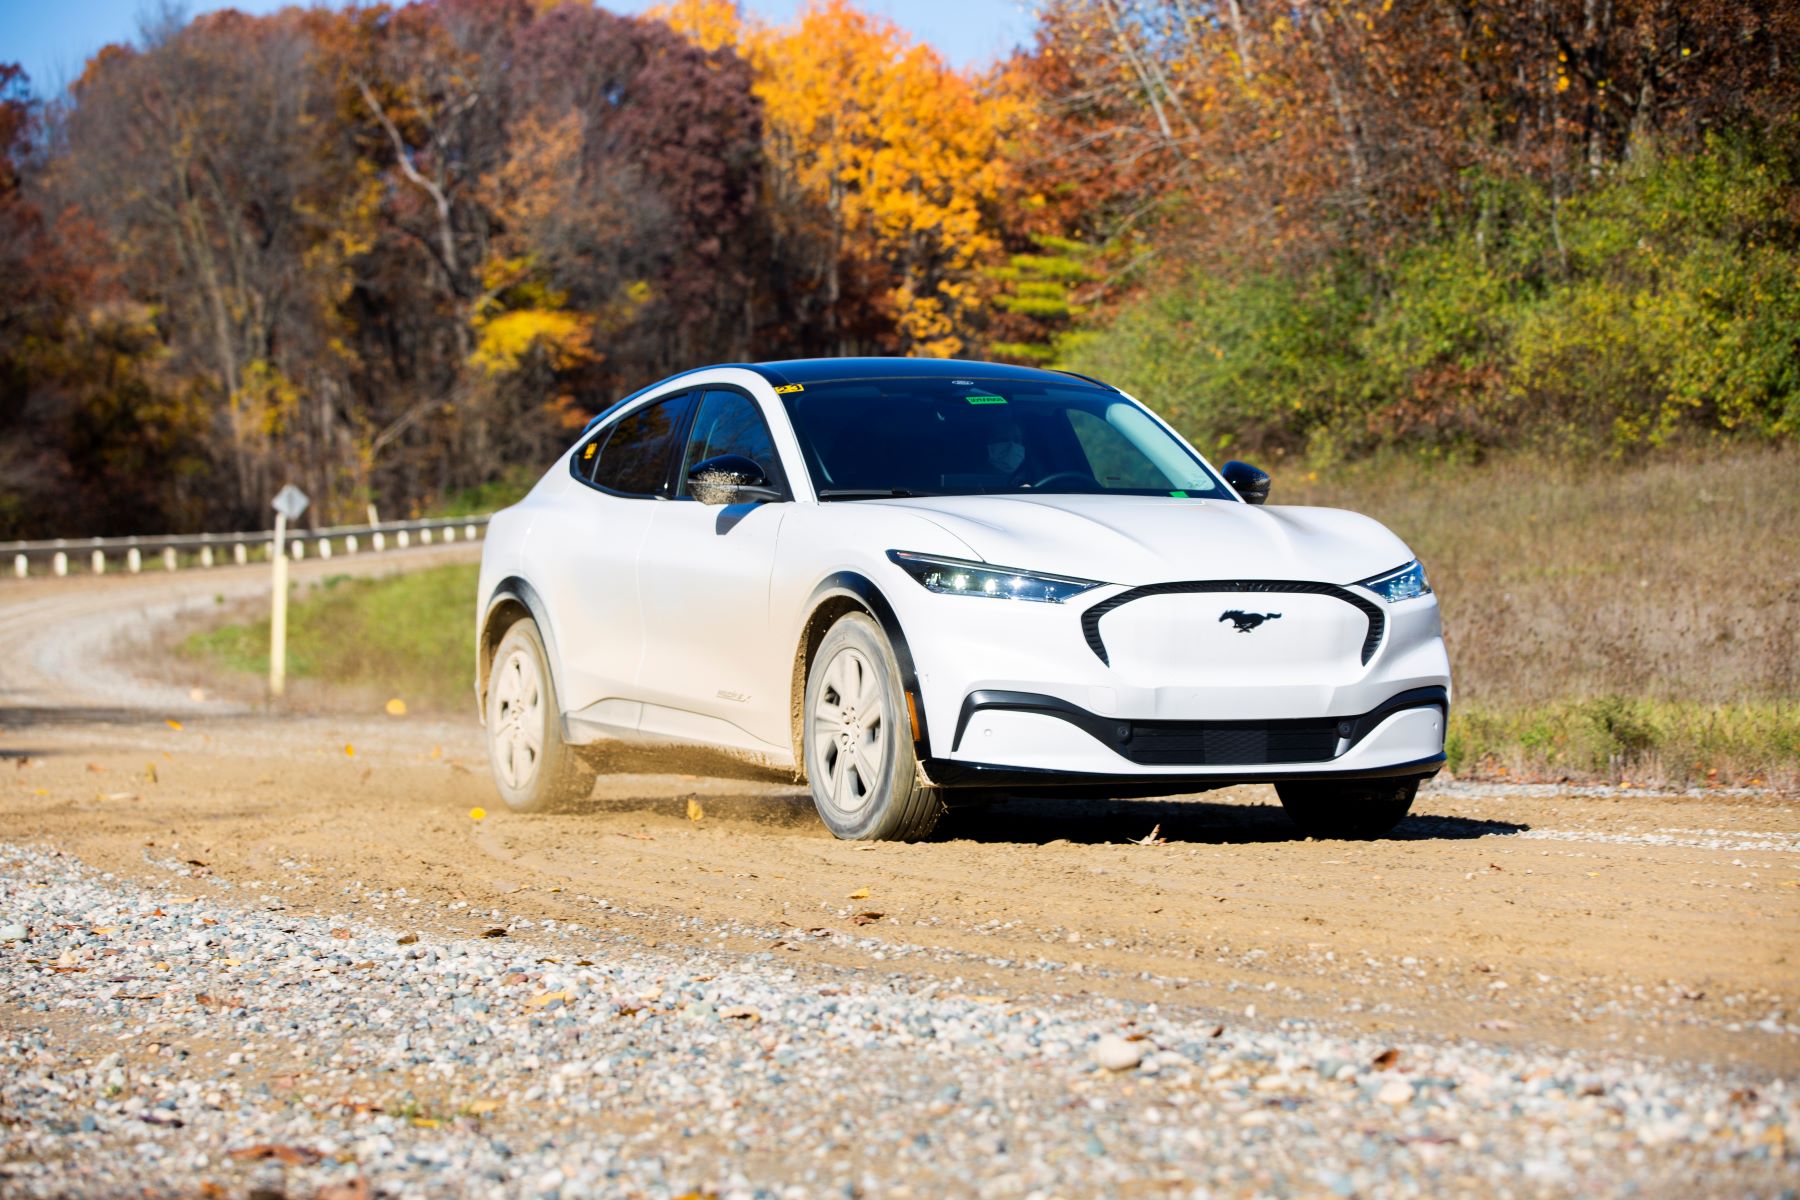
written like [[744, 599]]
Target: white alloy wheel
[[533, 769], [858, 746], [850, 732], [518, 735]]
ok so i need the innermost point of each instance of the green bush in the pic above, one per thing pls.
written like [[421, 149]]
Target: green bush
[[1661, 304]]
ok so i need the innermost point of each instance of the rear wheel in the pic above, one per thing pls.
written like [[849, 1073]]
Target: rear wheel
[[1350, 810], [534, 769], [858, 740]]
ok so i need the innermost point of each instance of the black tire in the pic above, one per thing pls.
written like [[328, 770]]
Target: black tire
[[534, 770], [1350, 810], [857, 740]]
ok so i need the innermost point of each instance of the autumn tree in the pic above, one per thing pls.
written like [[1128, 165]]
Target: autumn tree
[[884, 166]]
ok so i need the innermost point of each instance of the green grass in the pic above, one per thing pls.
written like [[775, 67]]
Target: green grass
[[404, 636], [1605, 620], [1620, 739]]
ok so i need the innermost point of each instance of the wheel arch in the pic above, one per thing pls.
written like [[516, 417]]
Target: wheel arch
[[512, 600], [847, 592]]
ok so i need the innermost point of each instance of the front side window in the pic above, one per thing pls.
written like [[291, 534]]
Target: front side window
[[633, 457], [960, 437], [729, 423]]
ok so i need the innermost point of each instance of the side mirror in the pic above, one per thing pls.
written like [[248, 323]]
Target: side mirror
[[1251, 484], [729, 479]]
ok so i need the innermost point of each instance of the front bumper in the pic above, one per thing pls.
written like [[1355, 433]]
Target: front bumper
[[1015, 693]]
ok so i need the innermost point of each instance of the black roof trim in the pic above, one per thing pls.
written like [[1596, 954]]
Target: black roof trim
[[833, 370]]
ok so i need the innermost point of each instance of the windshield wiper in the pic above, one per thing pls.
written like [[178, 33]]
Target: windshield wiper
[[866, 494]]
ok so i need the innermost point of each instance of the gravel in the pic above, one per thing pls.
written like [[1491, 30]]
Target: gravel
[[160, 1042]]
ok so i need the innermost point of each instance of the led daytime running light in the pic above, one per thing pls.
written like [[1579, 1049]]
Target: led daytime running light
[[955, 577]]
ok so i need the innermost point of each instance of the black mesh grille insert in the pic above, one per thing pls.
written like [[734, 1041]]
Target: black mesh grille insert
[[1228, 743]]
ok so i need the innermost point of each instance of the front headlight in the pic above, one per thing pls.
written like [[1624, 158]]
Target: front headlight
[[1407, 583], [955, 577]]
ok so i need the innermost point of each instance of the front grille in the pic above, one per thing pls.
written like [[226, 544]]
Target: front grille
[[1090, 619], [1226, 743]]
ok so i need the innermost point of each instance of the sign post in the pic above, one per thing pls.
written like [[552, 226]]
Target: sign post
[[288, 504]]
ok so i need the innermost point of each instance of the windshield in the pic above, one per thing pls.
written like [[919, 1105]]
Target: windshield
[[867, 438]]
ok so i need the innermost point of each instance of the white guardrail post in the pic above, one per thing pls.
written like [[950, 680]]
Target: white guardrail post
[[178, 552]]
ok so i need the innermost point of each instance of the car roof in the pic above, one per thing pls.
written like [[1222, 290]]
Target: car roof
[[836, 370]]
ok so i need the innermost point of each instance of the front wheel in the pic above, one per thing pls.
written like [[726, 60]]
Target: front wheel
[[534, 769], [1352, 810], [858, 740]]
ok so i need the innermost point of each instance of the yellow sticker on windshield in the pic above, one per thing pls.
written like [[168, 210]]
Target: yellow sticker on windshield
[[788, 387], [589, 452]]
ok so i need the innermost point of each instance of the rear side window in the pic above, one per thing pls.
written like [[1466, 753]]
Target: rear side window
[[633, 457]]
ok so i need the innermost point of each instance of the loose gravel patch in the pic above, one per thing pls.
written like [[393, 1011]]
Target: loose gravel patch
[[160, 1043]]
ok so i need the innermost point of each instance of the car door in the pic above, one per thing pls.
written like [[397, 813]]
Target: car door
[[597, 539], [704, 571]]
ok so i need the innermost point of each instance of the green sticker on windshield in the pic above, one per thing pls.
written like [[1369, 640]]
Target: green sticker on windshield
[[1179, 495], [986, 399]]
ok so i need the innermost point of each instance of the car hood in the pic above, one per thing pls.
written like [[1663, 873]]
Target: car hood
[[1151, 539]]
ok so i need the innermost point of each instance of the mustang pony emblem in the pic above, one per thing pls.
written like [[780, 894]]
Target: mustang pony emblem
[[1246, 621]]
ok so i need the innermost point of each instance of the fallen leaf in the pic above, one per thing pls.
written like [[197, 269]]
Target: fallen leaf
[[460, 769], [741, 1014], [396, 707], [150, 772], [172, 724], [406, 939], [860, 894], [1386, 1059], [1150, 839], [481, 1108], [96, 768], [426, 1122], [342, 935], [349, 750], [694, 811], [436, 752], [354, 1189], [293, 1156], [478, 814], [866, 918], [545, 999], [493, 933], [367, 771]]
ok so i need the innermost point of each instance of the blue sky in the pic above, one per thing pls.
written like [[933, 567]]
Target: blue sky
[[52, 38]]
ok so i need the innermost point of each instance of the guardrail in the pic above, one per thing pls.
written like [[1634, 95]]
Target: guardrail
[[210, 549]]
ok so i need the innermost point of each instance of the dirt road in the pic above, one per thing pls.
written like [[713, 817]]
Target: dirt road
[[1594, 921]]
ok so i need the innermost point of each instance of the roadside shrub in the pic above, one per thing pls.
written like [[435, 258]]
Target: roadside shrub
[[1663, 304]]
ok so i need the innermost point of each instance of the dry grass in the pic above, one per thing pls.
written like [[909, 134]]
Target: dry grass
[[1639, 620]]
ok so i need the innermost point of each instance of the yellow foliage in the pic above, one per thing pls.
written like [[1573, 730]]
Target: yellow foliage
[[265, 399], [709, 24], [505, 339]]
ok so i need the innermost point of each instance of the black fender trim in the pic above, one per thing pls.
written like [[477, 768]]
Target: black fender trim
[[864, 590], [1117, 733], [951, 773], [518, 590]]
